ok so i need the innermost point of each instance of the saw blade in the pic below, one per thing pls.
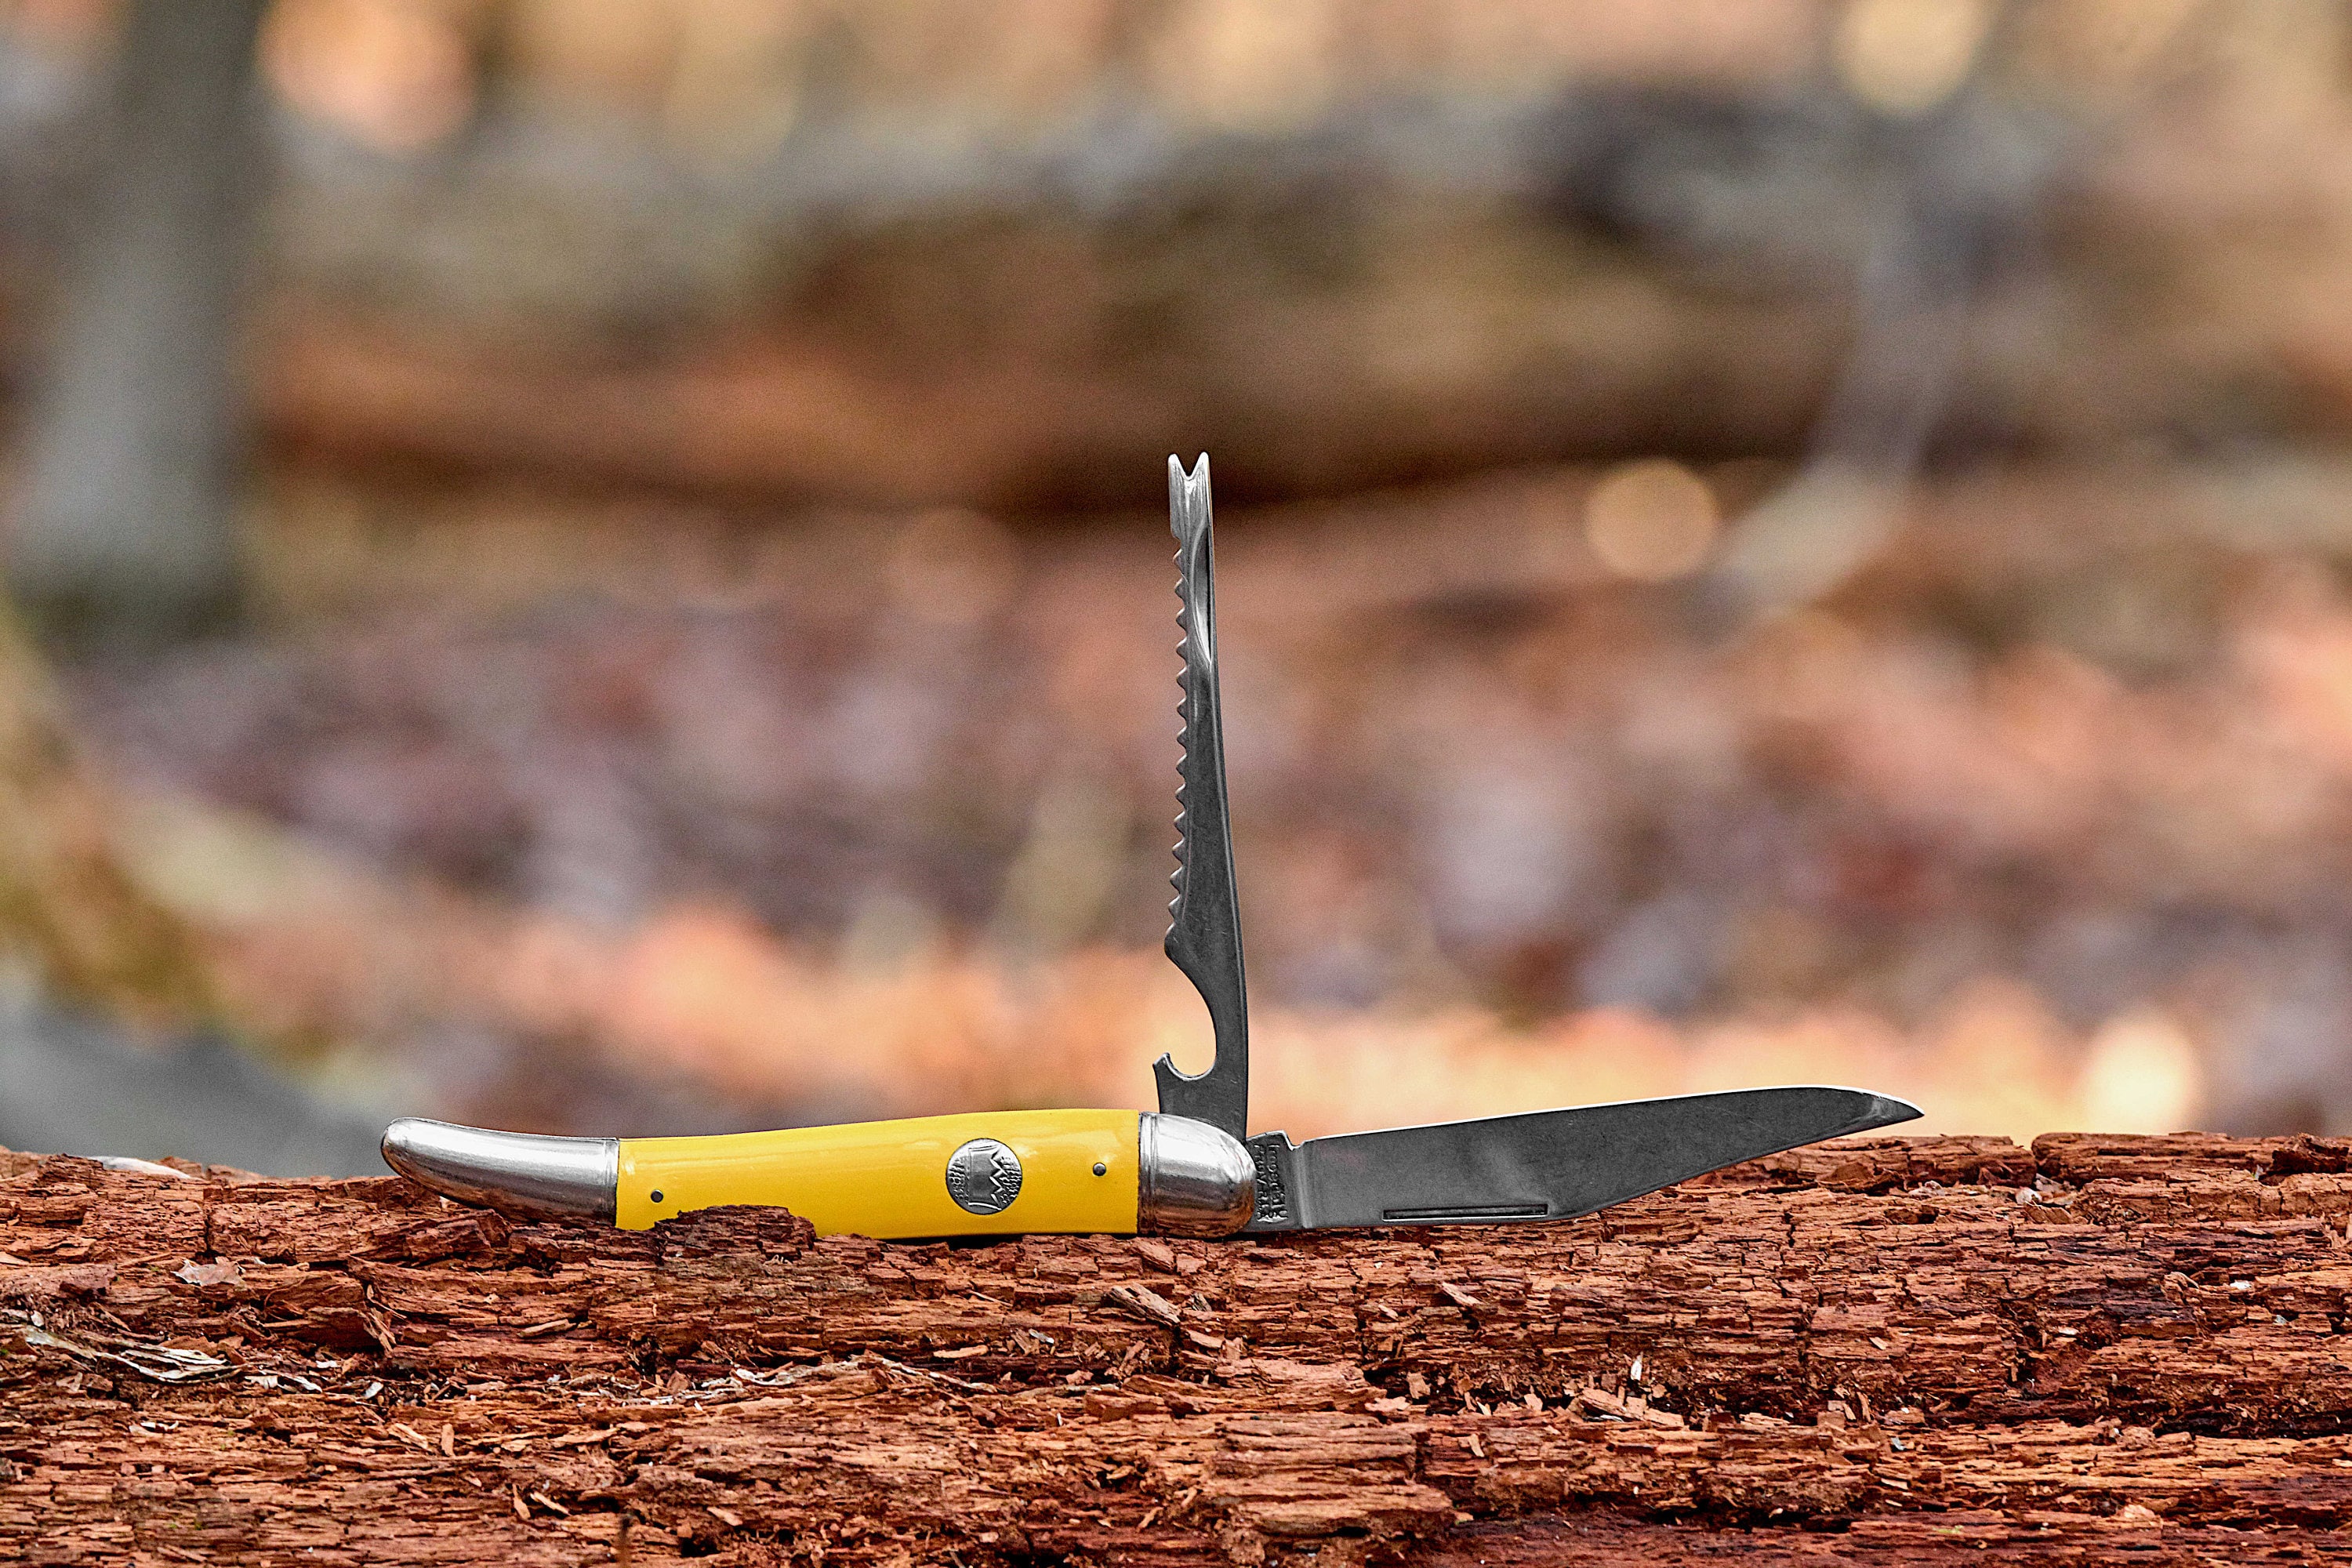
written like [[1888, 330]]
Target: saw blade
[[1205, 932]]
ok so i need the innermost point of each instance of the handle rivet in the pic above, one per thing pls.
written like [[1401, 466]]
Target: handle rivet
[[656, 1194], [1101, 1169]]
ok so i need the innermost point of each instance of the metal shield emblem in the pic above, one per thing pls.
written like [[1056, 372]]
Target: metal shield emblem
[[983, 1176]]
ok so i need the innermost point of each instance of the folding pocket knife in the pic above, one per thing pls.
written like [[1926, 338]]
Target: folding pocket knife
[[1190, 1169]]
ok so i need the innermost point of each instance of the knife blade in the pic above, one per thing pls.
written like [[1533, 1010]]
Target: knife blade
[[1543, 1164], [1204, 928]]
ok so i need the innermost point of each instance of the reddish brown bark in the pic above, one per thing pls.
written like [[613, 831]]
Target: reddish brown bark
[[1942, 1348]]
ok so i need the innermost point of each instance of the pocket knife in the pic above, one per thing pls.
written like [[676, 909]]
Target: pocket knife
[[1193, 1168]]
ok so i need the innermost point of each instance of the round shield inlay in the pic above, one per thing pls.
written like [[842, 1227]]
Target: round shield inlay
[[983, 1176]]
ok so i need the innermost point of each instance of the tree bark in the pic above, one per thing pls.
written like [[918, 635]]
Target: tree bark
[[1951, 1349], [126, 527]]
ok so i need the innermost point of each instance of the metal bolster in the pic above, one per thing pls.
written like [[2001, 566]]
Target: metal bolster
[[1197, 1180], [523, 1173]]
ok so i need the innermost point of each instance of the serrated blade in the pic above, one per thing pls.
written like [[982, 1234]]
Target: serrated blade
[[1205, 932], [1544, 1164]]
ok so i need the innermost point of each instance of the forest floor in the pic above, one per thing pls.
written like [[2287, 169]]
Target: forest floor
[[620, 814]]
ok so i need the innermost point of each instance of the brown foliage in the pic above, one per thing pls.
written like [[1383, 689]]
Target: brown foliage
[[67, 904]]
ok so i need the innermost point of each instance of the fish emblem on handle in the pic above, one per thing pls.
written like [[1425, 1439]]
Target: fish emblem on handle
[[983, 1176]]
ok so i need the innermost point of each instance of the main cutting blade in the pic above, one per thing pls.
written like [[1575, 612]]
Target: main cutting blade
[[1204, 930], [1545, 1164]]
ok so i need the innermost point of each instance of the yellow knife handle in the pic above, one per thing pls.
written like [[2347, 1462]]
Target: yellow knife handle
[[990, 1174]]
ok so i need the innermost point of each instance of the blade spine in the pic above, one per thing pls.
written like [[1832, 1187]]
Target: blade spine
[[1611, 1104]]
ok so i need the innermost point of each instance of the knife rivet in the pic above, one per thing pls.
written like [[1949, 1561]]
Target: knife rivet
[[656, 1194], [1101, 1169]]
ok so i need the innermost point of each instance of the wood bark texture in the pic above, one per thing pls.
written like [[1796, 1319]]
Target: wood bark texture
[[1938, 1350]]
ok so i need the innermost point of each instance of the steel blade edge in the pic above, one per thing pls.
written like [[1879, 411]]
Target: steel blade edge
[[1545, 1164]]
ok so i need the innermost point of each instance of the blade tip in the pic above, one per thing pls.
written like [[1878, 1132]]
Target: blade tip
[[1188, 501], [1886, 1110]]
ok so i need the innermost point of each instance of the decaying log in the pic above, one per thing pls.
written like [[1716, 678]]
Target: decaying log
[[1942, 1348]]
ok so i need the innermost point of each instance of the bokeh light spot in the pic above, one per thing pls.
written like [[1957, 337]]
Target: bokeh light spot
[[2141, 1075], [1905, 57], [393, 74], [1651, 521]]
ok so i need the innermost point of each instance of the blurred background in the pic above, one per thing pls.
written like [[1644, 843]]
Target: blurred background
[[600, 565]]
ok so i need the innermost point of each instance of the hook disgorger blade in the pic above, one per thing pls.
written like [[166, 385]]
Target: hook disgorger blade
[[1204, 934]]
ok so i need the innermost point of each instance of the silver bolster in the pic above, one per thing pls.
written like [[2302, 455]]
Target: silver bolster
[[525, 1172], [1197, 1180]]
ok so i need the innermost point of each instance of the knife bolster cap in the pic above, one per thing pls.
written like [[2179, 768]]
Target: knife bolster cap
[[1197, 1180], [522, 1173]]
